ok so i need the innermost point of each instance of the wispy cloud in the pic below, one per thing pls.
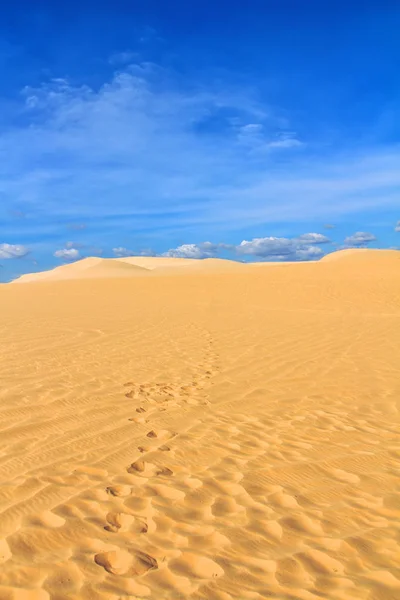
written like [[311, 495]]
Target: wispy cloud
[[12, 251], [397, 226], [358, 239], [120, 252], [260, 139], [133, 147], [67, 254], [76, 250], [313, 238], [122, 58]]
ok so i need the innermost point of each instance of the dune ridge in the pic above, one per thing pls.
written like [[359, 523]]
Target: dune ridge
[[87, 268], [369, 256], [104, 268], [229, 434]]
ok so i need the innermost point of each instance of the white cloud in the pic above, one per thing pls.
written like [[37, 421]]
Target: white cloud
[[304, 247], [285, 142], [251, 129], [257, 137], [12, 251], [360, 238], [397, 227], [203, 250], [250, 134], [273, 248], [308, 253], [313, 238], [329, 226], [121, 252], [67, 254]]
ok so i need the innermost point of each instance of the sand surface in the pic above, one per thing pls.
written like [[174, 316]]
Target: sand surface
[[230, 433], [105, 268]]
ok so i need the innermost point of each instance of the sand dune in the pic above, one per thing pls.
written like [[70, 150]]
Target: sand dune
[[104, 268], [157, 262], [223, 435], [356, 256], [87, 268]]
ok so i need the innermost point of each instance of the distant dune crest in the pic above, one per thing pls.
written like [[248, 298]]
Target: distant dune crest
[[351, 254], [139, 266], [132, 266]]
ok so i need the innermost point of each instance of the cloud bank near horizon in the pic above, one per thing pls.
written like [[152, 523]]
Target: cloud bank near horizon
[[304, 247]]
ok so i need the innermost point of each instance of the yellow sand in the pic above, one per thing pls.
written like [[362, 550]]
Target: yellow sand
[[230, 433], [97, 268]]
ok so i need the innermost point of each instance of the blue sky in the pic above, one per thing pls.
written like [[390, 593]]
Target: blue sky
[[197, 129]]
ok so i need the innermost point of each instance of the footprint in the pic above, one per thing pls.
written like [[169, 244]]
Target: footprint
[[120, 562], [163, 400], [138, 420], [165, 471], [118, 521], [137, 467], [162, 433], [117, 562], [119, 490]]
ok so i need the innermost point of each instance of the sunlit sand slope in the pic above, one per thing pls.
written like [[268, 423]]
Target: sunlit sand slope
[[214, 436], [106, 268], [88, 268]]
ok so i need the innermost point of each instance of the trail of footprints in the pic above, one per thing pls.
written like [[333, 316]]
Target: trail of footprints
[[134, 515]]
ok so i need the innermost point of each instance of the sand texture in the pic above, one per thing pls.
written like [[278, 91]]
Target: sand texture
[[229, 433]]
